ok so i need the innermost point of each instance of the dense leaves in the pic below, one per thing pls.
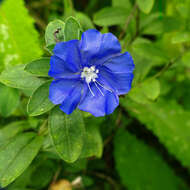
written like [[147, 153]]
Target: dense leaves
[[143, 145]]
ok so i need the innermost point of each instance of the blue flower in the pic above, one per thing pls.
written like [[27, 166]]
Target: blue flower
[[90, 73]]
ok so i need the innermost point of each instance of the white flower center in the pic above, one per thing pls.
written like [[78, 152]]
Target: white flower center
[[90, 74]]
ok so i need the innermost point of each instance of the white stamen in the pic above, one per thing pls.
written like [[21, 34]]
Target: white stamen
[[90, 89], [99, 89], [90, 75], [104, 87]]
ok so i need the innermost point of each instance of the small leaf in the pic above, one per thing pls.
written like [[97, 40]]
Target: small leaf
[[181, 37], [143, 92], [145, 5], [141, 167], [111, 16], [93, 145], [16, 77], [67, 133], [39, 102], [12, 129], [17, 155], [39, 67], [9, 100], [84, 20], [72, 29], [54, 32]]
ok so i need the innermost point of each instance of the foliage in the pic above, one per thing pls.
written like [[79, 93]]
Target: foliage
[[144, 144]]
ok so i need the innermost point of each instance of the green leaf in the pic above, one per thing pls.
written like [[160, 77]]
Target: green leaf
[[141, 167], [93, 145], [122, 3], [72, 29], [84, 20], [9, 100], [39, 102], [16, 77], [17, 155], [168, 121], [39, 67], [111, 16], [12, 129], [143, 92], [181, 37], [54, 32], [67, 133], [145, 5], [18, 38]]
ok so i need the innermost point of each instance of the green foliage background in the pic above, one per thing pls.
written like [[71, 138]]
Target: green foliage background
[[143, 145]]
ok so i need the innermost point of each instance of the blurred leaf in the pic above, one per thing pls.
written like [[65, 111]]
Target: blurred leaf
[[39, 102], [122, 3], [150, 51], [148, 173], [9, 100], [67, 133], [39, 67], [84, 20], [12, 129], [111, 16], [18, 37], [16, 77], [93, 145], [186, 59], [54, 32], [169, 122], [156, 24], [143, 92], [72, 29], [181, 37], [145, 5], [17, 155]]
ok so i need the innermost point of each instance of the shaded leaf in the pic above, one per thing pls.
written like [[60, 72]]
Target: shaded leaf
[[16, 77], [72, 29], [39, 67], [141, 167], [111, 16], [39, 102], [9, 100], [67, 133], [17, 155]]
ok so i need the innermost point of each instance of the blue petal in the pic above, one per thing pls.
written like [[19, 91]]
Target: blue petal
[[69, 52], [70, 103], [60, 89], [120, 83], [121, 64], [99, 105], [59, 69], [97, 48]]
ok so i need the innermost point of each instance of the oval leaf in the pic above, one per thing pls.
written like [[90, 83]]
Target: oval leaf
[[54, 32], [16, 77], [39, 102], [39, 67], [17, 155], [145, 5], [67, 133], [9, 100], [72, 29]]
